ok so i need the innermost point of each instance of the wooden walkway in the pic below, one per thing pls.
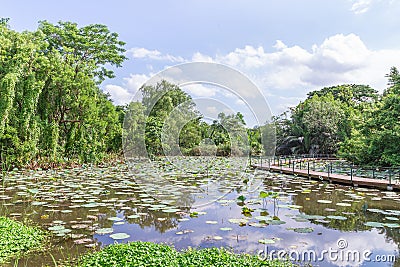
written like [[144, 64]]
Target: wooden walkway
[[333, 178]]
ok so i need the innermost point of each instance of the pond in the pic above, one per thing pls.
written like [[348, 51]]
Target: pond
[[202, 202]]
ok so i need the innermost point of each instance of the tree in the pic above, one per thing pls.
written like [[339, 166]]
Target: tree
[[50, 104], [229, 134], [350, 94], [376, 138], [172, 123]]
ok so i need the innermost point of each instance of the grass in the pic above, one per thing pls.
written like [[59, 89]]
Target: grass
[[17, 239], [151, 254]]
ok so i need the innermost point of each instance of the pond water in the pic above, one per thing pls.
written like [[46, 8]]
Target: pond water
[[213, 204]]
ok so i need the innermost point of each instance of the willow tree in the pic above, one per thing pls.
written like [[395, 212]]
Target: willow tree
[[22, 71], [51, 106]]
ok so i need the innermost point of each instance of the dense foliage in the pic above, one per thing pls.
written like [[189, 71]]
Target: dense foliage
[[16, 238], [323, 120], [51, 107], [52, 110], [352, 121], [375, 138], [168, 120], [150, 254]]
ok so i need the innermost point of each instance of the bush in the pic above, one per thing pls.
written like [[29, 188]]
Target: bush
[[151, 254]]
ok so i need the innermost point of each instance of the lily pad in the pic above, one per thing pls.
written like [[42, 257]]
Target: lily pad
[[276, 222], [115, 219], [391, 218], [391, 225], [304, 230], [373, 224], [324, 201], [238, 221], [266, 241], [343, 204], [56, 228], [330, 210], [263, 218], [170, 210], [104, 231], [259, 225], [133, 216], [313, 217], [337, 217], [38, 203], [119, 236], [90, 205]]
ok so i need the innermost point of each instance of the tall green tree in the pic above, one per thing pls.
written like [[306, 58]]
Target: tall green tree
[[51, 106], [172, 122], [376, 138]]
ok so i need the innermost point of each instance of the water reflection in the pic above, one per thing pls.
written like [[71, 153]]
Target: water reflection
[[84, 200]]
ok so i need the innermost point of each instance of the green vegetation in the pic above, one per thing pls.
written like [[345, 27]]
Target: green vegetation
[[375, 139], [150, 254], [16, 239], [51, 108], [352, 121], [53, 111], [167, 116]]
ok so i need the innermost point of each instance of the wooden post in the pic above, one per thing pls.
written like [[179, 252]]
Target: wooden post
[[351, 173], [293, 167], [314, 165], [373, 173], [328, 171], [269, 163], [308, 169], [390, 187]]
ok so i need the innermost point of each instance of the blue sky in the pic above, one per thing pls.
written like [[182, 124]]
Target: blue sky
[[287, 48]]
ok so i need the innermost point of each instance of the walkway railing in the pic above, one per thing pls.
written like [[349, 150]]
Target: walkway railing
[[328, 164]]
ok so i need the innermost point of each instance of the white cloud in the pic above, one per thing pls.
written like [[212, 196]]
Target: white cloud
[[119, 95], [199, 57], [122, 95], [200, 90], [360, 6], [287, 73], [279, 45], [338, 59], [248, 57], [339, 53], [292, 71], [143, 53], [135, 81], [213, 111], [240, 102]]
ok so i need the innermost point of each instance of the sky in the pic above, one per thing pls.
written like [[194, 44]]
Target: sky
[[285, 47]]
